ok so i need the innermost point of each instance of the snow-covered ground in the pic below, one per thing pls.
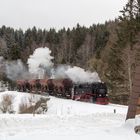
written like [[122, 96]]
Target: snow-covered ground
[[67, 119]]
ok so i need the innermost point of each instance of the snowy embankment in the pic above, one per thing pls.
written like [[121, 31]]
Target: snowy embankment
[[67, 119], [11, 101]]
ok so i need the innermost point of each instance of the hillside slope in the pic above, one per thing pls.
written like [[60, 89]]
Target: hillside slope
[[67, 119]]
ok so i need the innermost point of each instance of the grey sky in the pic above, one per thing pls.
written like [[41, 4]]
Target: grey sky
[[57, 13]]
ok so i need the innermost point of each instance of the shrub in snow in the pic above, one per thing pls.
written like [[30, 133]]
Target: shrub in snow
[[23, 107], [6, 104], [27, 104], [43, 106], [42, 109], [38, 107], [137, 129]]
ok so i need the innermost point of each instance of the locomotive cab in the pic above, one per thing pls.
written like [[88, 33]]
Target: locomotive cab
[[82, 92]]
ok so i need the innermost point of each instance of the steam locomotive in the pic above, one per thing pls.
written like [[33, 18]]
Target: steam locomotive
[[65, 88]]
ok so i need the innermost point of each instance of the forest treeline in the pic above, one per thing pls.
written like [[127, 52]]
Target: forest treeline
[[112, 49]]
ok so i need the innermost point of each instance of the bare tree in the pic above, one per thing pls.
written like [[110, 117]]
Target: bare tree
[[3, 47], [6, 104]]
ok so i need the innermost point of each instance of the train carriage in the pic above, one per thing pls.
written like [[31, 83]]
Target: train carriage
[[65, 88]]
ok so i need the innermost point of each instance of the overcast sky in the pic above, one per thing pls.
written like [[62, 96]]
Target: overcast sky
[[57, 13]]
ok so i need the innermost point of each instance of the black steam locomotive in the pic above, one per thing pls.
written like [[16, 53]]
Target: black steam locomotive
[[94, 92]]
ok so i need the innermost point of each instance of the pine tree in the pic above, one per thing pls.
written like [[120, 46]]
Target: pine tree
[[128, 30], [115, 68]]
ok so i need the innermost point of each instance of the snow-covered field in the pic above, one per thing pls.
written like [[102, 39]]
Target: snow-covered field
[[67, 119]]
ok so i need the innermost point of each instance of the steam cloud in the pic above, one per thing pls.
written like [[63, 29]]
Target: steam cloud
[[79, 75], [60, 72], [40, 64], [76, 74], [13, 69], [16, 70]]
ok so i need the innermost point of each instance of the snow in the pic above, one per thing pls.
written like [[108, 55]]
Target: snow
[[67, 119], [19, 98]]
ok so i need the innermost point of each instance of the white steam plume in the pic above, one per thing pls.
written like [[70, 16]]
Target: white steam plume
[[59, 72], [79, 75], [40, 62], [14, 70], [76, 74]]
